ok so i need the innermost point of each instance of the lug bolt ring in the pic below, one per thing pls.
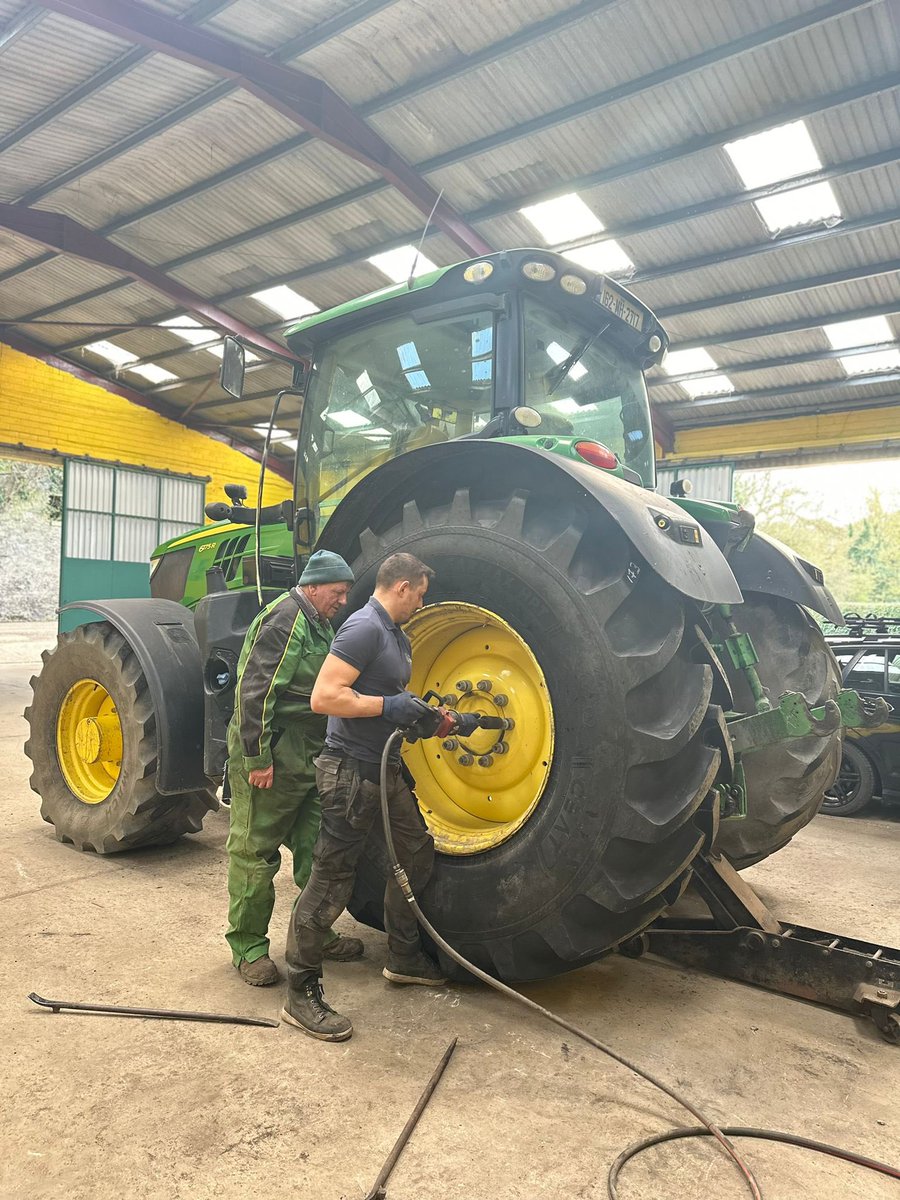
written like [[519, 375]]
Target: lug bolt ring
[[501, 701], [484, 685], [486, 760], [463, 685], [500, 748], [465, 760], [450, 744]]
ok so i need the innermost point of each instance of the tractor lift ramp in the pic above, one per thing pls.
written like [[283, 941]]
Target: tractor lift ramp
[[742, 940]]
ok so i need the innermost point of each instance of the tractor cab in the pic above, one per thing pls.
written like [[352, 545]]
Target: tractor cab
[[518, 345]]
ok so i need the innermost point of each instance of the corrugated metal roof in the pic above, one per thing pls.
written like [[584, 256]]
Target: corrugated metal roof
[[626, 101]]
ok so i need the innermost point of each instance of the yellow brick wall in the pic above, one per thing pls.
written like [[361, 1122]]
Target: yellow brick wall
[[44, 411]]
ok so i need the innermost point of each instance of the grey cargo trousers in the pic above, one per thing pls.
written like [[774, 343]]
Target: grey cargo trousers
[[351, 810]]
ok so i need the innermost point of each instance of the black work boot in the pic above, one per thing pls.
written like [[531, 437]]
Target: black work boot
[[306, 1009], [417, 969]]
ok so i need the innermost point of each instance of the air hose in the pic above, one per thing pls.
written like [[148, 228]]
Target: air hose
[[708, 1127]]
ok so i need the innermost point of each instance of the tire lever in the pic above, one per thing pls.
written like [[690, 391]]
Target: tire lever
[[162, 1014]]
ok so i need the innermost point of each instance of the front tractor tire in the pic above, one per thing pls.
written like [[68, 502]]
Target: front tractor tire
[[93, 745], [580, 832], [787, 781]]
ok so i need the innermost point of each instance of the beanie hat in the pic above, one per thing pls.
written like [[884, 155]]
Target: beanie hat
[[326, 567]]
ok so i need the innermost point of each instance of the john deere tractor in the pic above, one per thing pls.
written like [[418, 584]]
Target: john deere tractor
[[667, 688]]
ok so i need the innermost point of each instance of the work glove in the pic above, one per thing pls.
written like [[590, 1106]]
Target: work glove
[[405, 709]]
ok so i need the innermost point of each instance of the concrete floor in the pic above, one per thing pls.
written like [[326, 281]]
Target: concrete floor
[[103, 1107]]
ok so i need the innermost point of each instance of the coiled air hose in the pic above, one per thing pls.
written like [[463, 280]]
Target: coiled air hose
[[708, 1127]]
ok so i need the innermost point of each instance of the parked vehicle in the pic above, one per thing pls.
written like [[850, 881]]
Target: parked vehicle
[[869, 656]]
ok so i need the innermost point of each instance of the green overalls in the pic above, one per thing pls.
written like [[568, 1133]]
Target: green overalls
[[273, 723]]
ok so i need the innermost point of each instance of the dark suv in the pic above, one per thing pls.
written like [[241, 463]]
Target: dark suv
[[869, 657]]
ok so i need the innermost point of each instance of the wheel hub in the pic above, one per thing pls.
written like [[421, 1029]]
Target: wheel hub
[[476, 792], [89, 741]]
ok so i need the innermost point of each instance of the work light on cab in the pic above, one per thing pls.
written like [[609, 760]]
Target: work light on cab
[[597, 455]]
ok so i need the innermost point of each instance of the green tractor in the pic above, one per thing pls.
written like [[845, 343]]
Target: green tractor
[[668, 689]]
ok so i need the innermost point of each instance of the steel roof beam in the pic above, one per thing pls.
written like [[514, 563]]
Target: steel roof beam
[[69, 237], [785, 288], [675, 408], [121, 66], [26, 20], [114, 70], [297, 95], [35, 350], [598, 101], [760, 364], [786, 327]]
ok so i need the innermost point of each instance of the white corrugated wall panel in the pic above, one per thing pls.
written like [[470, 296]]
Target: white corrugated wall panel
[[181, 500], [715, 482]]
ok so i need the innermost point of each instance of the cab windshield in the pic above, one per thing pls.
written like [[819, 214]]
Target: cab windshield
[[583, 386], [395, 386]]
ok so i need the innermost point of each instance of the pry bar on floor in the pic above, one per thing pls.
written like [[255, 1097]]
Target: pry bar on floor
[[378, 1192], [161, 1014]]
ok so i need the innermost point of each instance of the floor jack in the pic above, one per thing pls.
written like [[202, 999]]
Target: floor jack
[[741, 939]]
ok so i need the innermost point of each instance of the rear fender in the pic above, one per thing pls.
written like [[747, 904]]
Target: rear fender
[[161, 635], [669, 540], [768, 566]]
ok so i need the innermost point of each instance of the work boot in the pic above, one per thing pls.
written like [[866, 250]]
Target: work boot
[[343, 949], [308, 1010], [262, 972], [418, 969]]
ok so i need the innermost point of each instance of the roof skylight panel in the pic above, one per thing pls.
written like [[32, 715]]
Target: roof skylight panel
[[568, 218], [285, 302], [778, 154], [117, 355], [397, 264], [686, 362], [863, 332]]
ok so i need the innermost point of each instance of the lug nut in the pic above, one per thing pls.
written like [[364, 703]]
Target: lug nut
[[501, 701], [450, 744], [450, 700], [465, 760], [510, 723], [463, 685], [484, 685], [486, 760], [500, 748]]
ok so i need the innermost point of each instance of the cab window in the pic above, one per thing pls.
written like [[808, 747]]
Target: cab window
[[867, 675], [383, 390]]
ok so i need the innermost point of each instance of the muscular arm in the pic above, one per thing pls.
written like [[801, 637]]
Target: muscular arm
[[334, 695]]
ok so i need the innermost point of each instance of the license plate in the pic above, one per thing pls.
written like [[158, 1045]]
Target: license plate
[[621, 307]]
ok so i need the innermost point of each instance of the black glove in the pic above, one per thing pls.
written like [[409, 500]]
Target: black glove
[[467, 724], [405, 709]]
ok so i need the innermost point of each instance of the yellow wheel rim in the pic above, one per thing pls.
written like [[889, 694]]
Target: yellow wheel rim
[[475, 794], [89, 741]]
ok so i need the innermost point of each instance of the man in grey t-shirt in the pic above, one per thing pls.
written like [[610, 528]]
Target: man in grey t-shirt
[[362, 688]]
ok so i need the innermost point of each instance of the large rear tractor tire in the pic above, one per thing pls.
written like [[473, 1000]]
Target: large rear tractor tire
[[579, 826], [786, 782], [94, 749]]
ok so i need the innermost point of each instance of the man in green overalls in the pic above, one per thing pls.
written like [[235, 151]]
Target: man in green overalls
[[272, 740]]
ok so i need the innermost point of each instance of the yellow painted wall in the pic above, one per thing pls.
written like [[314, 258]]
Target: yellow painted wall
[[44, 411], [859, 427]]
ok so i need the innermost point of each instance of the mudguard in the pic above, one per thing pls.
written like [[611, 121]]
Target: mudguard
[[669, 540], [161, 635], [768, 566]]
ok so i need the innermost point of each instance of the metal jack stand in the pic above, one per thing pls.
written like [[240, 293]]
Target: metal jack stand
[[742, 940]]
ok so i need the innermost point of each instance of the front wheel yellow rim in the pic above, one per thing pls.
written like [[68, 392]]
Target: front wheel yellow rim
[[475, 794], [89, 741]]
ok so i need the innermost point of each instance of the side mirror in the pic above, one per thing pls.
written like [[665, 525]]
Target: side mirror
[[231, 373], [305, 527]]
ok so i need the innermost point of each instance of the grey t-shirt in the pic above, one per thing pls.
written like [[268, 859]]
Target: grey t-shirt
[[379, 649]]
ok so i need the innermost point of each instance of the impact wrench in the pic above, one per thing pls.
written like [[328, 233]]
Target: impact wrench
[[446, 721]]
